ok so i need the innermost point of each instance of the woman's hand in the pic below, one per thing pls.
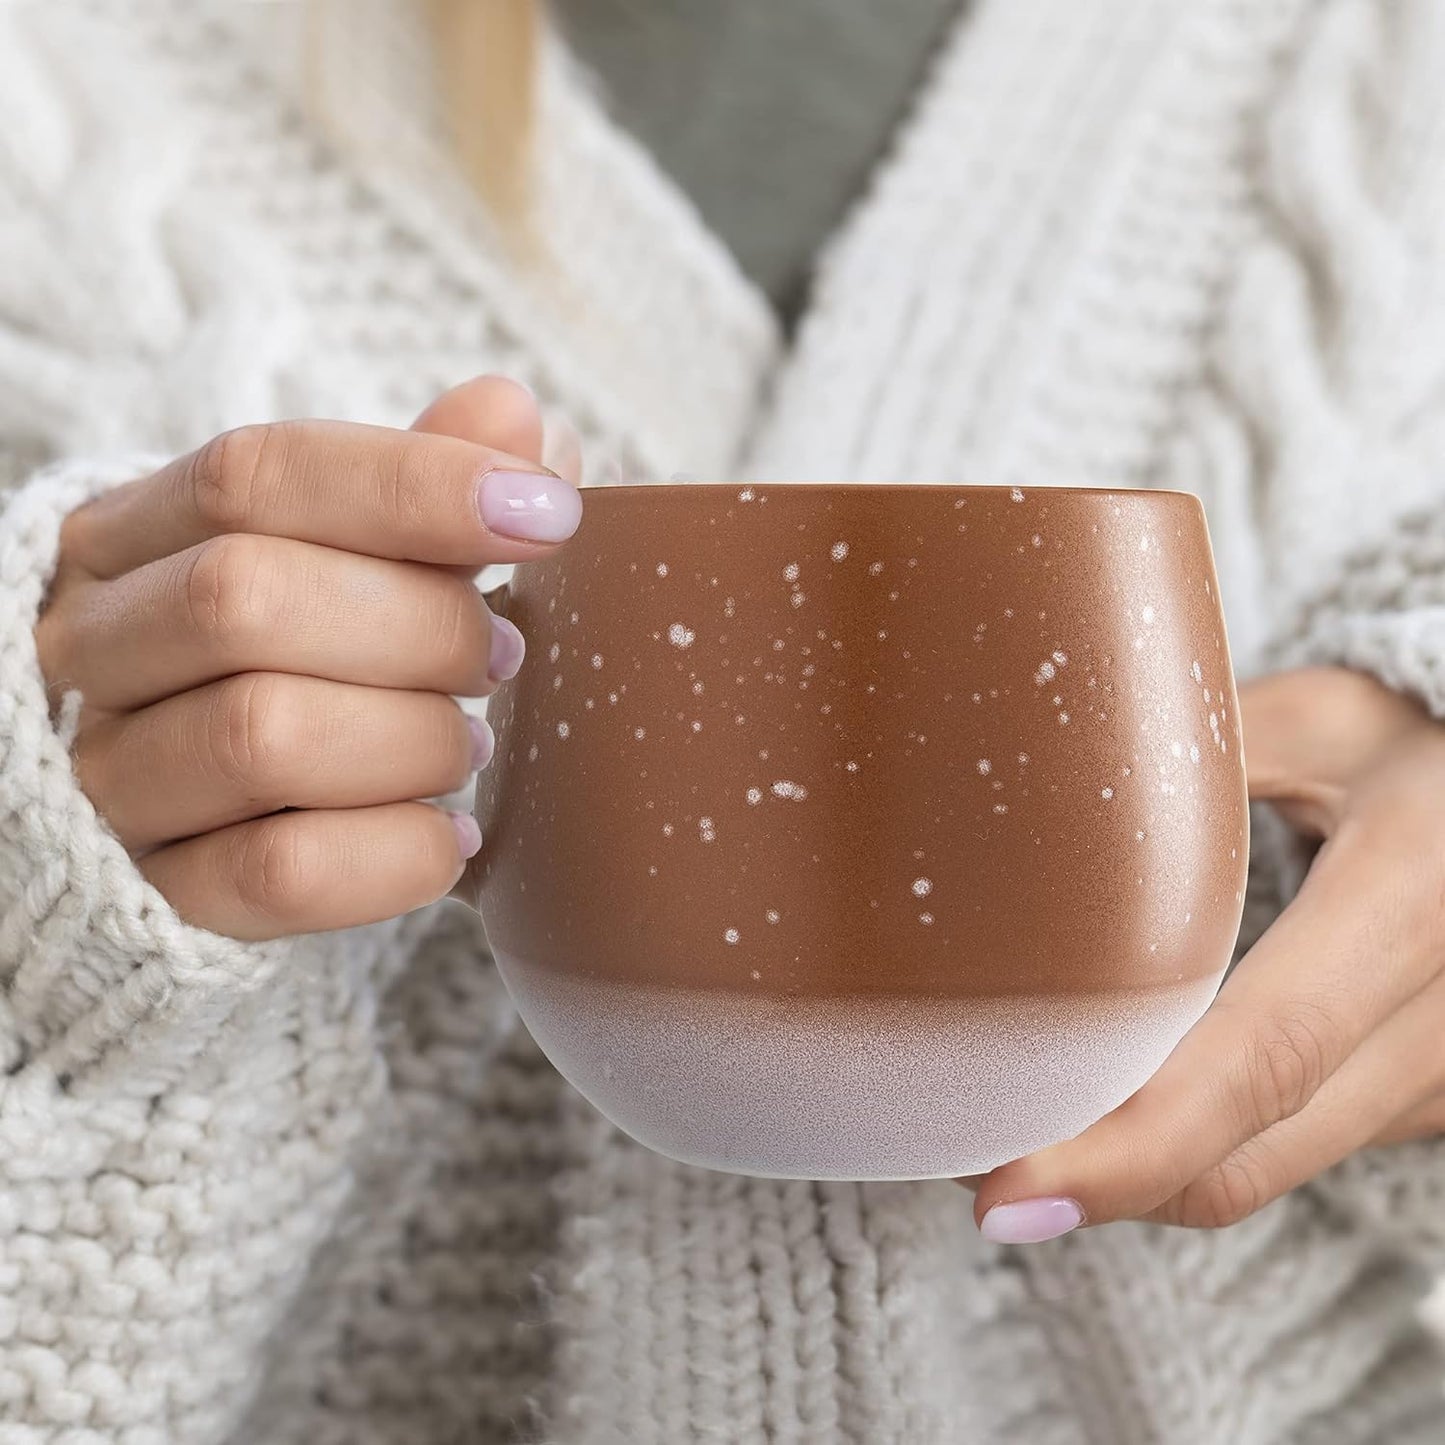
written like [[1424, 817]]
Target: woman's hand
[[1330, 1033], [267, 634]]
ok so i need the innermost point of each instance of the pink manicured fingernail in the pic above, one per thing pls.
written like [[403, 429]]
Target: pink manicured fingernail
[[484, 744], [508, 649], [532, 506], [469, 835], [1031, 1221]]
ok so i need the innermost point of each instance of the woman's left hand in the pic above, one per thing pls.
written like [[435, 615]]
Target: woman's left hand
[[1330, 1033]]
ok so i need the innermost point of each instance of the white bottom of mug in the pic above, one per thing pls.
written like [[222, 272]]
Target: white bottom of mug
[[849, 1087]]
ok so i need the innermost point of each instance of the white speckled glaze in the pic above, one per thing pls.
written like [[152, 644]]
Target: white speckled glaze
[[860, 1088]]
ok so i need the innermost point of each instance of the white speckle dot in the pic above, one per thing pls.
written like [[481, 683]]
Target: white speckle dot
[[1177, 749], [697, 688], [652, 872], [851, 766], [772, 915], [755, 975], [1062, 658], [572, 618], [1063, 718], [798, 599], [1148, 614], [1196, 672], [790, 572], [557, 681], [1023, 757], [1139, 834], [755, 796], [597, 659], [612, 698], [922, 887], [662, 569], [925, 918], [1106, 793], [1037, 540], [706, 830], [667, 830], [554, 652], [785, 789], [778, 644], [1144, 542], [984, 766], [563, 730], [681, 636], [639, 733], [746, 495], [1044, 674], [731, 935], [883, 635], [696, 726], [1000, 807], [874, 568], [1016, 495], [532, 753], [1193, 752], [839, 551]]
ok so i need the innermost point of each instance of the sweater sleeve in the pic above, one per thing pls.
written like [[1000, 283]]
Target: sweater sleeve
[[1384, 614], [182, 1116]]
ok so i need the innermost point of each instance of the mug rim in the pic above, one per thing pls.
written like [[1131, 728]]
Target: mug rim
[[893, 488]]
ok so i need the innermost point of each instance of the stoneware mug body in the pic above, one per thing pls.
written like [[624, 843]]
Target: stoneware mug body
[[865, 832]]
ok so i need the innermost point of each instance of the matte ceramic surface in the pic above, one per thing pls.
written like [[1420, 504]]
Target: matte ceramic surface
[[865, 831]]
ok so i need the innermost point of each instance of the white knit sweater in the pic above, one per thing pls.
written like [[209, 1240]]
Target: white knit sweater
[[324, 1190]]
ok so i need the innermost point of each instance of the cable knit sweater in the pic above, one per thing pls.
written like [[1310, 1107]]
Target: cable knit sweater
[[325, 1190]]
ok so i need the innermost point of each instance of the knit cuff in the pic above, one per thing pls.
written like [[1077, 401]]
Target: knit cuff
[[1385, 615], [91, 956], [1396, 1192]]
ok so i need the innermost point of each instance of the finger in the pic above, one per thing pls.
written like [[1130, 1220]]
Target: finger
[[242, 603], [492, 411], [1375, 1095], [308, 871], [1310, 734], [1426, 1120], [263, 741], [1297, 1006], [369, 490]]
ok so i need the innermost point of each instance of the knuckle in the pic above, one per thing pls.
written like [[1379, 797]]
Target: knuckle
[[404, 496], [282, 871], [461, 631], [227, 588], [1290, 1057], [226, 474], [258, 731], [1227, 1194]]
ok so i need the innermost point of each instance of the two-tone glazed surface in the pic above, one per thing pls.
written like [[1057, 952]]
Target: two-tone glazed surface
[[856, 831]]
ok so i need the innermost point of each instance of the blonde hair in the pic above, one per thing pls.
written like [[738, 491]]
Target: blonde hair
[[486, 55]]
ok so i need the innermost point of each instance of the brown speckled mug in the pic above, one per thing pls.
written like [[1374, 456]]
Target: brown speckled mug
[[861, 832]]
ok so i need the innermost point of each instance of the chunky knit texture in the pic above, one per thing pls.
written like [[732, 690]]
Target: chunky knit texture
[[324, 1190]]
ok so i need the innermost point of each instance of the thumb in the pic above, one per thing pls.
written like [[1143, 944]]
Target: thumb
[[492, 411]]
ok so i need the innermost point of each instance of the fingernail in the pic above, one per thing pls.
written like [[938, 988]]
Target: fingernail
[[531, 506], [508, 649], [1031, 1221], [469, 835], [484, 743]]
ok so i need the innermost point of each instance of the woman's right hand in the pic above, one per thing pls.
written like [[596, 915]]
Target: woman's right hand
[[267, 635]]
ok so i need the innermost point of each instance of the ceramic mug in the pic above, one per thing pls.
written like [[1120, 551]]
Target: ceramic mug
[[865, 832]]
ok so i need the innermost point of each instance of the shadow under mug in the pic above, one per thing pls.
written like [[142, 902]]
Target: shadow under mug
[[865, 831]]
